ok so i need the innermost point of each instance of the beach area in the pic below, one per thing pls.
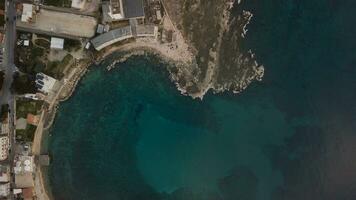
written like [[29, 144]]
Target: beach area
[[276, 141], [177, 52]]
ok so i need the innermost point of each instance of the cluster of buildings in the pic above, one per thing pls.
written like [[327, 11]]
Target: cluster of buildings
[[4, 153], [120, 20], [4, 181], [111, 29], [4, 137], [132, 11], [45, 83], [24, 176], [116, 10]]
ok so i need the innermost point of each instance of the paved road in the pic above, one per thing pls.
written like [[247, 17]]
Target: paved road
[[6, 97], [10, 68]]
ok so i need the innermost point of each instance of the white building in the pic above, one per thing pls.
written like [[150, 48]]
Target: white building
[[4, 147], [45, 83], [31, 96], [4, 189], [4, 128], [26, 12], [78, 4], [17, 191], [24, 164], [4, 177], [57, 43]]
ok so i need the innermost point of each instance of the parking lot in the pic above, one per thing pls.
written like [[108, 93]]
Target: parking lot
[[61, 24]]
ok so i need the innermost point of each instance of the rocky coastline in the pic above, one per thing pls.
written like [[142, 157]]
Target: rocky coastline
[[219, 74]]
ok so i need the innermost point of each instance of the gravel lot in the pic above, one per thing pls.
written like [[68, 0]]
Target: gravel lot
[[60, 23]]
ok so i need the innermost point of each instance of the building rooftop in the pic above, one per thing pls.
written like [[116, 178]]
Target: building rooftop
[[24, 164], [57, 43], [32, 119], [45, 83], [27, 193], [26, 12], [44, 160], [111, 37], [21, 124], [4, 147], [24, 180], [60, 24], [133, 8], [4, 189]]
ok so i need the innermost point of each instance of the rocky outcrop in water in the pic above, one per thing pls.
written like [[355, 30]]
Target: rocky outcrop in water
[[215, 36]]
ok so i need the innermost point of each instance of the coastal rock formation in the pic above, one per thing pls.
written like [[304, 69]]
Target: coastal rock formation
[[214, 36]]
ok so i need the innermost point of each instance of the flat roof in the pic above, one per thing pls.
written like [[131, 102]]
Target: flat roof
[[26, 12], [57, 43], [60, 24], [111, 37], [133, 8]]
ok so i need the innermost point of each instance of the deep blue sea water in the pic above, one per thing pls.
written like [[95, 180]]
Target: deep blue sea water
[[128, 133]]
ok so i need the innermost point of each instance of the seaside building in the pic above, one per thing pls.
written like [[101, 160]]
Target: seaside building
[[146, 30], [59, 24], [24, 167], [45, 83], [24, 180], [115, 10], [121, 34], [44, 160], [112, 37], [24, 164]]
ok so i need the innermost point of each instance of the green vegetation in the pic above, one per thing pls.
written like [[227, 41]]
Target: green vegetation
[[31, 59], [26, 135], [23, 84], [23, 107], [2, 20], [72, 45], [35, 58], [58, 3], [2, 17], [43, 43], [4, 111], [2, 5], [1, 79], [56, 68]]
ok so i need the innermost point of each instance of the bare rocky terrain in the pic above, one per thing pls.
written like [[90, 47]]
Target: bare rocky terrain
[[214, 36]]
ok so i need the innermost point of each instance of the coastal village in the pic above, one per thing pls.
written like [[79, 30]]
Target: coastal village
[[45, 47]]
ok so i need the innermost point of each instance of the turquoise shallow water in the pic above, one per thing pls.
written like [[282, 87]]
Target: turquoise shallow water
[[129, 134]]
